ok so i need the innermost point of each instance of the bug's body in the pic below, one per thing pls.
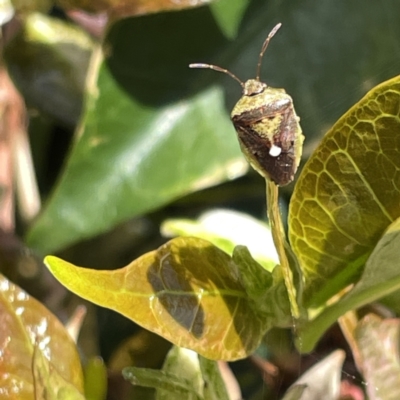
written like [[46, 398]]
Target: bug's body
[[269, 132], [268, 128]]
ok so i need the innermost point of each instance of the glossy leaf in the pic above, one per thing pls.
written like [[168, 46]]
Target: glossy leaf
[[139, 147], [37, 354], [187, 291], [378, 344], [348, 194], [380, 277], [145, 172]]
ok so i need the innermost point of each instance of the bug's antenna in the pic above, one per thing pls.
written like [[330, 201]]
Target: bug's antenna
[[219, 69], [264, 47]]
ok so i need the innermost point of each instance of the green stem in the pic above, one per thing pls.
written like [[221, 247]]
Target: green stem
[[279, 237]]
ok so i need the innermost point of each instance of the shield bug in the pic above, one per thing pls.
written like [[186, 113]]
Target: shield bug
[[267, 125]]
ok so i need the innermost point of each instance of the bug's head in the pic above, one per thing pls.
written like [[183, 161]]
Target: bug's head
[[252, 86]]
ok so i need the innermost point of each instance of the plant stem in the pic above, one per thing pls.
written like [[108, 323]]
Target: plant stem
[[279, 237]]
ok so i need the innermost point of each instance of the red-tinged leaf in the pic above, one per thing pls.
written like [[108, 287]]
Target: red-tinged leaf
[[378, 342], [36, 352], [187, 291]]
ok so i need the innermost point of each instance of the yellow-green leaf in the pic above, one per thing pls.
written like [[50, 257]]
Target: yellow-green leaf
[[187, 291], [348, 194]]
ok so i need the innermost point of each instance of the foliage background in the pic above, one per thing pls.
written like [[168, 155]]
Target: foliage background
[[152, 132]]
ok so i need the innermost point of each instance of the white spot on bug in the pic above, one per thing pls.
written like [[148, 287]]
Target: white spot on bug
[[274, 151]]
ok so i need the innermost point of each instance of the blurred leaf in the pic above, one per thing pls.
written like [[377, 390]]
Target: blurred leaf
[[228, 14], [348, 194], [38, 354], [95, 379], [381, 276], [143, 349], [226, 229], [214, 385], [48, 61], [322, 380], [30, 6], [184, 364], [187, 291], [6, 11], [378, 344], [295, 392], [125, 8]]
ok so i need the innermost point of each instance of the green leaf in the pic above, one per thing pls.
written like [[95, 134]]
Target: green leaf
[[215, 388], [255, 278], [348, 194], [380, 277], [169, 383], [143, 142], [266, 290], [184, 365], [41, 356], [379, 364], [184, 374], [187, 291], [144, 177], [228, 14]]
